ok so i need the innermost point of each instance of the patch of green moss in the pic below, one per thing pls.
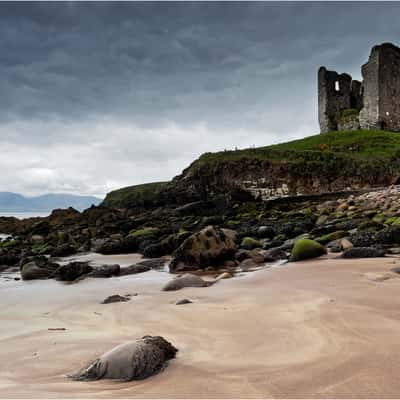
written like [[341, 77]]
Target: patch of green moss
[[145, 232], [347, 113], [370, 225], [396, 221], [249, 243], [8, 243], [380, 218], [233, 222], [331, 236], [40, 249], [391, 220]]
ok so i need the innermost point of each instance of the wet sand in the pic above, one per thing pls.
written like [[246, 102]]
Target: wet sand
[[321, 328]]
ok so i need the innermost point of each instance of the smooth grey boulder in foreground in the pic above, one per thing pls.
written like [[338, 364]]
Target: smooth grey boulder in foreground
[[133, 360]]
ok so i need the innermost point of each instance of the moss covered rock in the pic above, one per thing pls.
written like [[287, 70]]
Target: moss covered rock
[[331, 236], [306, 248], [249, 243], [145, 232], [209, 247]]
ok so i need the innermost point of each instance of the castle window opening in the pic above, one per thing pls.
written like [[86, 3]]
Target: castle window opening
[[337, 86]]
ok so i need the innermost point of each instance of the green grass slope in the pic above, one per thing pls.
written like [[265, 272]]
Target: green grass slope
[[372, 157], [132, 196], [359, 145]]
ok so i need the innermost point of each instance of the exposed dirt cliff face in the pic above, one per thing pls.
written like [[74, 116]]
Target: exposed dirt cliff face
[[263, 179]]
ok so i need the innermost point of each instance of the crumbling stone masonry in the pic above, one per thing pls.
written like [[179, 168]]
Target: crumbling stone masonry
[[346, 104]]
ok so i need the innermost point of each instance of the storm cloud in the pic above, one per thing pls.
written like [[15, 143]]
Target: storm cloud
[[96, 96]]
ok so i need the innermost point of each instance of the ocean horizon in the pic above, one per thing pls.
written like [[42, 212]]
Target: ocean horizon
[[24, 214]]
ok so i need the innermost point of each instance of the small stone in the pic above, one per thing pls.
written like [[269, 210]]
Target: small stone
[[116, 298], [183, 301]]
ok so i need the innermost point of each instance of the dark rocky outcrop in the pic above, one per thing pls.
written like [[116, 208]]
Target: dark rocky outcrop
[[363, 252]]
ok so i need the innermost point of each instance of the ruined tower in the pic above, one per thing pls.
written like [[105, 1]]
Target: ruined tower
[[346, 104], [335, 93]]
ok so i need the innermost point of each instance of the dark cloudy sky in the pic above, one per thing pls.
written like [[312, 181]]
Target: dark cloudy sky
[[95, 96]]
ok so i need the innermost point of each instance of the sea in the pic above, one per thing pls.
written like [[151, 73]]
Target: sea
[[25, 214], [21, 215]]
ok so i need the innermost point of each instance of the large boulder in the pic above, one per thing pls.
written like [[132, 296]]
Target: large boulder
[[187, 280], [38, 269], [306, 248], [363, 252], [209, 247], [133, 360], [72, 271]]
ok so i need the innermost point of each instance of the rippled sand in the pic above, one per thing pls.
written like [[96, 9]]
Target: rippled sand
[[323, 328]]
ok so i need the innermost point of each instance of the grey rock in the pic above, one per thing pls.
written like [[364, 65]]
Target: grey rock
[[186, 280], [133, 360], [363, 252], [116, 298], [183, 301]]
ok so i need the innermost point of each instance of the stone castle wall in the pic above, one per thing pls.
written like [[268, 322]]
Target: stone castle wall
[[377, 98]]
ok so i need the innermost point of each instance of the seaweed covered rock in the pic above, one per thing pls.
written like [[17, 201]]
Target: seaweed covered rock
[[208, 247], [331, 236], [133, 360], [306, 248]]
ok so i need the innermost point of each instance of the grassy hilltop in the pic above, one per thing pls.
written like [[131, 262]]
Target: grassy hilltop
[[374, 155], [359, 145]]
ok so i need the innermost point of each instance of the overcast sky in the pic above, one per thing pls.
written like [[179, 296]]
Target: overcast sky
[[97, 96]]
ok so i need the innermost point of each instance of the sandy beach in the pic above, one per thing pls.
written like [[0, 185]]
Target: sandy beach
[[321, 328]]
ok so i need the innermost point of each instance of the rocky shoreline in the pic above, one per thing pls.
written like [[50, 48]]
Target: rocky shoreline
[[206, 236]]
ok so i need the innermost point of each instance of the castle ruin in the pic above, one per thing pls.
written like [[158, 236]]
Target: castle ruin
[[374, 104]]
